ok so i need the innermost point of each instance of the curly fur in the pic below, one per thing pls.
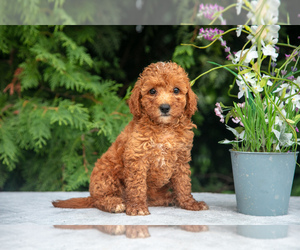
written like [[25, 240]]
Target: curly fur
[[148, 164]]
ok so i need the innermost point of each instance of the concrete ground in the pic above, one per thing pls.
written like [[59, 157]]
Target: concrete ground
[[28, 221]]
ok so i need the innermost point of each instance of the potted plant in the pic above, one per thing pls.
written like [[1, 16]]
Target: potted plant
[[264, 117]]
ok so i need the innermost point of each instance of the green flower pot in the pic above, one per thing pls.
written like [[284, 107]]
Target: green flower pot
[[263, 182]]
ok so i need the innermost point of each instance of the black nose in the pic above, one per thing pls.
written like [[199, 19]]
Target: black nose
[[164, 108]]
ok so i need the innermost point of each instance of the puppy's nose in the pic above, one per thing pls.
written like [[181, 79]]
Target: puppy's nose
[[164, 108]]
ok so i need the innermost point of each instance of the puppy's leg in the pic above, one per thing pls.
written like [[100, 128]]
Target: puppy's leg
[[160, 196], [107, 193], [182, 188], [136, 188], [110, 203]]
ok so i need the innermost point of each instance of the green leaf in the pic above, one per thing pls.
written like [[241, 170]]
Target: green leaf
[[263, 82], [183, 55], [9, 151], [30, 76], [245, 71], [217, 64]]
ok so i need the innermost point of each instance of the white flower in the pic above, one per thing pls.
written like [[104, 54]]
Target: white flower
[[269, 83], [269, 34], [243, 89], [269, 50], [281, 88], [239, 30], [264, 12], [246, 55], [297, 81], [239, 6], [249, 77], [280, 119], [257, 88], [296, 101]]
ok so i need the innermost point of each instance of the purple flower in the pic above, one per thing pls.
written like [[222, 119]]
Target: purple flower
[[241, 105], [283, 72], [223, 43], [273, 64], [236, 120], [209, 10], [229, 57], [291, 77], [209, 33], [297, 130], [288, 56], [218, 111], [294, 69], [227, 49]]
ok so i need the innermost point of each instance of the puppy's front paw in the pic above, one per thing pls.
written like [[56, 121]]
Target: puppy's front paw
[[137, 209], [195, 205], [202, 205]]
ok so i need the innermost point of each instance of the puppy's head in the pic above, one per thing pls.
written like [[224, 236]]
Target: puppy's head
[[163, 93]]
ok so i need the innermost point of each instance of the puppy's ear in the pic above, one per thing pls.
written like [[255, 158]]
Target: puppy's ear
[[191, 103], [134, 101]]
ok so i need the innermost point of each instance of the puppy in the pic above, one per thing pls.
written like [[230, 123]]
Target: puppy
[[148, 164]]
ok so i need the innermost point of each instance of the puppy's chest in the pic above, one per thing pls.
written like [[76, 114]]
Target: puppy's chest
[[165, 148], [164, 145], [164, 151]]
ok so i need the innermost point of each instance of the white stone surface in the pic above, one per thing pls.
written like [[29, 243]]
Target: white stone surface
[[27, 221]]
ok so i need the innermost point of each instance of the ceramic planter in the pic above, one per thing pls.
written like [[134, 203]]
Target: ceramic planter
[[263, 181]]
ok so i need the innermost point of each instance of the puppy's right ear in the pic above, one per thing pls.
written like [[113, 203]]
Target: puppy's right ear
[[134, 101]]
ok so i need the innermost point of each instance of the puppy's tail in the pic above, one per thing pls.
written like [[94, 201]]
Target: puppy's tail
[[74, 203]]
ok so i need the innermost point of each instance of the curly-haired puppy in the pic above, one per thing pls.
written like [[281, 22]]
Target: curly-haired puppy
[[148, 164]]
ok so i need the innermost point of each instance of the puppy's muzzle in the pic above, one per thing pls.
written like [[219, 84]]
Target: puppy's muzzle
[[165, 109]]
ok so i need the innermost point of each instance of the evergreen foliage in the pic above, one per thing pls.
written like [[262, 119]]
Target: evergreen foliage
[[62, 104], [57, 115]]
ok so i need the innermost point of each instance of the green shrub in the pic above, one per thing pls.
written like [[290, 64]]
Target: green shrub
[[57, 115]]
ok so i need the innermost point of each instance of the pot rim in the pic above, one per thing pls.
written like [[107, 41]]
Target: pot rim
[[261, 153]]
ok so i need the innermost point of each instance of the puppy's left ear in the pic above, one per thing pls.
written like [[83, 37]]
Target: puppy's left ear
[[191, 103], [134, 101]]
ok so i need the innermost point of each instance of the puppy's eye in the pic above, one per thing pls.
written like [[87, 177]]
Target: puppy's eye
[[152, 91], [176, 90]]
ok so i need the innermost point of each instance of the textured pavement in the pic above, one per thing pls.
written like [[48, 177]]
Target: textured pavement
[[28, 221]]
